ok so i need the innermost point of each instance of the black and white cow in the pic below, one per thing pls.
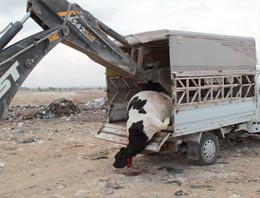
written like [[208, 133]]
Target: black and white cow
[[148, 112]]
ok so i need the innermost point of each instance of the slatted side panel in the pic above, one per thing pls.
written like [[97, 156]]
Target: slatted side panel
[[119, 91], [202, 90]]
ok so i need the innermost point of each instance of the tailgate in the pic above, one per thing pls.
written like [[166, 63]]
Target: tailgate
[[118, 133]]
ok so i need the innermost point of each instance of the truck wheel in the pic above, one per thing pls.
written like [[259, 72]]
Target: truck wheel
[[208, 149]]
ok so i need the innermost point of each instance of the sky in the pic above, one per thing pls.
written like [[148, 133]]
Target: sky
[[66, 67]]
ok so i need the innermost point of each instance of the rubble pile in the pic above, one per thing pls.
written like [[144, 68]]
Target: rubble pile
[[62, 107], [58, 108], [37, 112]]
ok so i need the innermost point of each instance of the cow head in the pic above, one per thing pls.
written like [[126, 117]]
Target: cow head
[[121, 158]]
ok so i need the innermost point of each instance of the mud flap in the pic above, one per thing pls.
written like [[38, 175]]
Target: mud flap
[[193, 150], [118, 133]]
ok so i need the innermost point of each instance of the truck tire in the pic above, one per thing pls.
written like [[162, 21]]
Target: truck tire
[[208, 149]]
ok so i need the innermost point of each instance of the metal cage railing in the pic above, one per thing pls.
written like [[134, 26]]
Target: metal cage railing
[[193, 90]]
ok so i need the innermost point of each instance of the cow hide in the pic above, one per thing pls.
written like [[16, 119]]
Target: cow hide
[[148, 112]]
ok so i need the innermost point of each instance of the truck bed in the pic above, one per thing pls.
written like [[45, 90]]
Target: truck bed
[[117, 133]]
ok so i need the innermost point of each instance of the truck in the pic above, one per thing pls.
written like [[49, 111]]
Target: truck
[[211, 79]]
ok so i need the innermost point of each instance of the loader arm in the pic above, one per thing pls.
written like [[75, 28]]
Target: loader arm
[[62, 22]]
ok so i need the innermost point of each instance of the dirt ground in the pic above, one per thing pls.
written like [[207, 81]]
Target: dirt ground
[[60, 157], [46, 97]]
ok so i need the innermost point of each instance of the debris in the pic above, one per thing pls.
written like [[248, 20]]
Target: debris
[[2, 165], [171, 170], [131, 173], [201, 186], [258, 191], [180, 193], [110, 186], [235, 137], [29, 140], [33, 186], [174, 170], [99, 103], [37, 112], [81, 192], [20, 124], [246, 161], [104, 179], [58, 108], [63, 107], [237, 155], [16, 112], [61, 186], [57, 196], [222, 162], [108, 191], [173, 182], [235, 196], [113, 185], [19, 133], [98, 157]]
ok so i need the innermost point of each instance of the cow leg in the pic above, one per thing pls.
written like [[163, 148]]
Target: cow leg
[[137, 139], [137, 143], [158, 123]]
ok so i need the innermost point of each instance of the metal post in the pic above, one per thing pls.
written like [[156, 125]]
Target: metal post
[[26, 17], [13, 30]]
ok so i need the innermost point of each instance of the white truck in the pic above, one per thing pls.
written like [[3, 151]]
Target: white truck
[[212, 80]]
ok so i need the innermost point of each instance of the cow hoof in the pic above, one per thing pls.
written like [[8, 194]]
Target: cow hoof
[[166, 122]]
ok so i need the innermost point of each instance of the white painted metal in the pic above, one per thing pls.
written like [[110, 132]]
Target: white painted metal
[[253, 126], [214, 116], [196, 54]]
